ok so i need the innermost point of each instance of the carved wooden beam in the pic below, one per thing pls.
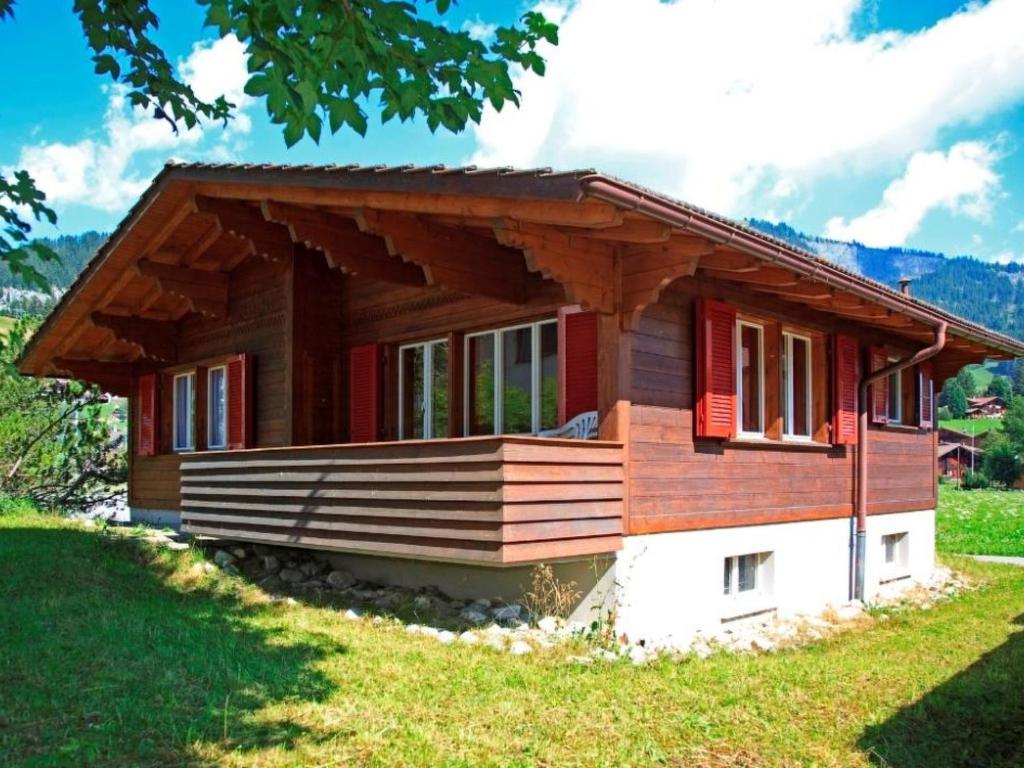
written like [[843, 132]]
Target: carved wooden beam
[[206, 292], [270, 241], [343, 244], [648, 269], [113, 377], [156, 338], [801, 290], [773, 277], [449, 257], [203, 243], [587, 273], [731, 261]]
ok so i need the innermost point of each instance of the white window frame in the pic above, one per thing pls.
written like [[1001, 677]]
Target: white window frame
[[897, 376], [787, 378], [209, 408], [499, 374], [757, 600], [899, 566], [740, 324], [190, 443], [428, 388]]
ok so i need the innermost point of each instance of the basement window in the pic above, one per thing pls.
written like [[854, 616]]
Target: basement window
[[184, 411], [747, 584], [895, 555]]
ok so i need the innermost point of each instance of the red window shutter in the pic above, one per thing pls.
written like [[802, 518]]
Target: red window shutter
[[845, 382], [240, 397], [716, 369], [149, 415], [880, 389], [925, 395], [577, 363], [364, 393]]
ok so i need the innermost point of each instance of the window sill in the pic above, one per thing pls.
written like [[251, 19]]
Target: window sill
[[765, 442], [899, 427]]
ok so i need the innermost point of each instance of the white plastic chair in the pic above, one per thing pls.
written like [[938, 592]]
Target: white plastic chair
[[581, 427]]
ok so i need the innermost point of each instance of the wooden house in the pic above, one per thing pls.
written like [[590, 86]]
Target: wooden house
[[401, 366], [988, 407]]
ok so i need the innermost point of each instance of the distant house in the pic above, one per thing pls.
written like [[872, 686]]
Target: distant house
[[950, 435], [991, 407], [954, 458], [444, 376]]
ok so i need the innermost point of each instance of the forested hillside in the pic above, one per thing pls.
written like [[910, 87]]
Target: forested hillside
[[987, 293]]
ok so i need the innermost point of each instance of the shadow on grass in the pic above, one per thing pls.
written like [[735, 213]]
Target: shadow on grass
[[976, 718], [104, 662]]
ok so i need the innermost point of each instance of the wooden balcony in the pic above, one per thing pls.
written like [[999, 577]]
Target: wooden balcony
[[485, 500]]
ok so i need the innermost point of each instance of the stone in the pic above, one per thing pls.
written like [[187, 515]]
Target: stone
[[223, 558], [520, 648], [270, 564], [412, 629], [496, 630], [310, 584], [446, 637], [422, 603], [469, 638], [231, 570], [550, 624], [508, 613], [603, 654], [177, 546], [271, 583], [763, 644], [581, 660], [482, 602], [239, 553], [351, 614], [638, 655], [340, 579], [310, 568], [497, 642], [474, 614], [849, 612], [291, 575]]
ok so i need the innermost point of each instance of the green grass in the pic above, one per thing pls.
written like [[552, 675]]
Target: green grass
[[985, 522], [6, 323], [983, 374], [117, 656], [972, 426]]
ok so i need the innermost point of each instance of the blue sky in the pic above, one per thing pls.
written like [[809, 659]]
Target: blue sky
[[891, 122]]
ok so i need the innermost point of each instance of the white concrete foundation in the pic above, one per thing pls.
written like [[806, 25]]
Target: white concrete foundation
[[170, 518], [671, 586]]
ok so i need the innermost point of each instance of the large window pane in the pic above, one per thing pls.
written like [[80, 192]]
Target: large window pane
[[480, 364], [746, 577], [183, 412], [796, 400], [548, 375], [412, 392], [439, 390], [750, 378], [895, 397], [217, 395], [517, 381]]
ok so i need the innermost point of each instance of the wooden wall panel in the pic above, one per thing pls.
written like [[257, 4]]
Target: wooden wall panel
[[679, 483], [496, 500]]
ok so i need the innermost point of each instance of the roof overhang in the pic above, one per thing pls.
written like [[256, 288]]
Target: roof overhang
[[611, 245]]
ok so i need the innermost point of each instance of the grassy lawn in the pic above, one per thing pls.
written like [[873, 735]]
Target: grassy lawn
[[112, 655], [972, 426], [980, 522]]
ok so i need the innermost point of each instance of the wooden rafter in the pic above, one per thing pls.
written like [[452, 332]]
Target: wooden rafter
[[343, 243], [269, 240], [203, 243], [155, 338], [449, 257], [772, 277], [206, 292], [648, 269], [112, 377], [731, 261], [587, 277]]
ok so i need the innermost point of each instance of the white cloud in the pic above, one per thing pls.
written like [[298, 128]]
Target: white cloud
[[962, 180], [724, 101], [479, 29], [110, 171]]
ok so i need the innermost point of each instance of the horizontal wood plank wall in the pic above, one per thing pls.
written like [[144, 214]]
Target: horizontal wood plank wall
[[255, 323], [493, 500], [678, 483]]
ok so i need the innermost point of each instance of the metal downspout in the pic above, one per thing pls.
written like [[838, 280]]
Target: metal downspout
[[860, 544]]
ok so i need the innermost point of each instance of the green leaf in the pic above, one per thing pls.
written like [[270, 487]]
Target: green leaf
[[293, 131]]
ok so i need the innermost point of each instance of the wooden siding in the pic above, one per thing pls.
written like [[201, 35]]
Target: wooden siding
[[491, 500], [678, 482]]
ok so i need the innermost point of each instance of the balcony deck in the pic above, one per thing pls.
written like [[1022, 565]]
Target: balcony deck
[[485, 500]]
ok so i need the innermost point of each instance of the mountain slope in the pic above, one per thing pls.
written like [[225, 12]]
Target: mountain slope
[[986, 293]]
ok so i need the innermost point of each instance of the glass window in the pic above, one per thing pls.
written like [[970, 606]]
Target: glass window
[[512, 380], [548, 375], [423, 390], [517, 380], [895, 396], [750, 372], [796, 377], [217, 410], [480, 397], [741, 574], [184, 411], [894, 546]]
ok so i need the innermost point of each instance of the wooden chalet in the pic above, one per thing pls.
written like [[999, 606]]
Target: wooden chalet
[[397, 361]]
